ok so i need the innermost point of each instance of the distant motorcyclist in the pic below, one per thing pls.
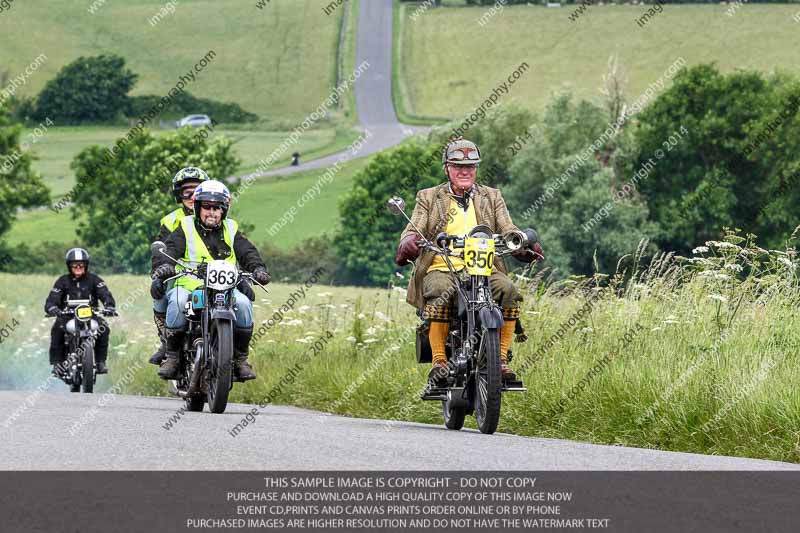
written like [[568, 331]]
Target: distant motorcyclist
[[78, 284], [183, 186], [205, 236], [455, 207]]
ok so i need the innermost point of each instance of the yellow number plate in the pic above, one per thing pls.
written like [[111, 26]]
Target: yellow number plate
[[479, 256], [84, 312]]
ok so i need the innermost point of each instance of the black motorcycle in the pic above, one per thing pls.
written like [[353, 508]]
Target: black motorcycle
[[206, 359], [81, 331], [474, 380]]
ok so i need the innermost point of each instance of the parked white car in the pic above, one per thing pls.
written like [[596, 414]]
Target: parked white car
[[194, 121]]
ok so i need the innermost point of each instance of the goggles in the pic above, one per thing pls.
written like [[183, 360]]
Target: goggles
[[187, 193], [459, 154]]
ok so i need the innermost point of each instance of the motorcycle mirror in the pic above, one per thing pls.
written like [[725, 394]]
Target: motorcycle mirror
[[157, 247], [396, 205]]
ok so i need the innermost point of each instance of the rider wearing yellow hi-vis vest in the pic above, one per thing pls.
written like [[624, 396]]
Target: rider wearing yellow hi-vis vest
[[197, 252], [183, 186], [209, 235]]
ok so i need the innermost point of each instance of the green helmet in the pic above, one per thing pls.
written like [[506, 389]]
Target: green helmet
[[184, 176]]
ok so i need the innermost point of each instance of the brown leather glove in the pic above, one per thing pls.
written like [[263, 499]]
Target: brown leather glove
[[407, 250], [529, 255]]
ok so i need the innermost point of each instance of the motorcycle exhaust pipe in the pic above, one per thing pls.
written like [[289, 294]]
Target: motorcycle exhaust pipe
[[515, 240], [194, 383]]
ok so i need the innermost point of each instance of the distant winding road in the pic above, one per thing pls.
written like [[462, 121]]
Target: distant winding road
[[373, 91]]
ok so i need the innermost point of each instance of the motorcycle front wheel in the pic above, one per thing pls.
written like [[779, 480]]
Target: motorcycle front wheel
[[87, 379], [488, 382], [220, 371]]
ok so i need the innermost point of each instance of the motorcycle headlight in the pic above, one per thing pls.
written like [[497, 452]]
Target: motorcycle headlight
[[71, 326]]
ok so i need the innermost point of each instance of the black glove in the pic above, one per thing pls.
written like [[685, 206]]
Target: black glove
[[261, 275], [202, 271], [245, 288], [53, 310], [109, 310], [157, 289], [164, 271]]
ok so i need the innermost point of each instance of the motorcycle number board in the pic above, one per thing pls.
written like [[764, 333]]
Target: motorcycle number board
[[222, 275], [479, 256]]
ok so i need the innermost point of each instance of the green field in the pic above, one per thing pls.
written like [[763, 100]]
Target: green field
[[263, 204], [58, 146], [710, 364], [278, 62], [450, 63]]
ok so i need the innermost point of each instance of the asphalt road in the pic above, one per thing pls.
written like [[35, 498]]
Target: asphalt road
[[127, 433], [373, 92]]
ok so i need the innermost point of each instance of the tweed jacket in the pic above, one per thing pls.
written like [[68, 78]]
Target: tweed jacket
[[431, 216]]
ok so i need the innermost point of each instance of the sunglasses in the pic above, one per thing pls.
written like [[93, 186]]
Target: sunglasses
[[460, 155], [187, 194], [211, 207], [78, 265]]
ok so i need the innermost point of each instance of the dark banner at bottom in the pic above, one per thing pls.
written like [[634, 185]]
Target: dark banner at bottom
[[399, 501]]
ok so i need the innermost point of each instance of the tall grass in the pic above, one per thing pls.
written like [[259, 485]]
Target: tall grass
[[689, 354]]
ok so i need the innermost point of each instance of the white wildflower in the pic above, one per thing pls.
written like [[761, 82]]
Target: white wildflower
[[724, 245], [734, 267], [587, 330], [700, 250], [721, 276], [786, 262], [350, 339], [718, 297], [370, 341]]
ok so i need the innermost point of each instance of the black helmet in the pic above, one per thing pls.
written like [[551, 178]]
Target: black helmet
[[77, 255], [184, 176]]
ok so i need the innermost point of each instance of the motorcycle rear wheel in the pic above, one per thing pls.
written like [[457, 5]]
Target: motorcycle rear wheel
[[221, 372], [488, 382]]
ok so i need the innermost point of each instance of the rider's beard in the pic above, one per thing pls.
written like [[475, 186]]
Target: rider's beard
[[211, 221]]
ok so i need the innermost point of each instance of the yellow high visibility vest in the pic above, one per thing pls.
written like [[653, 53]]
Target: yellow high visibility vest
[[196, 250], [172, 220]]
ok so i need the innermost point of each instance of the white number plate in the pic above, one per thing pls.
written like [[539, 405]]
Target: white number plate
[[221, 275]]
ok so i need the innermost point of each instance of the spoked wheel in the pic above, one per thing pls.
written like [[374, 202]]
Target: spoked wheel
[[220, 372], [488, 382], [87, 379]]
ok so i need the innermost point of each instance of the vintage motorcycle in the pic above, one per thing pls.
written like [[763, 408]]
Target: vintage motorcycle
[[474, 381], [81, 332], [206, 359]]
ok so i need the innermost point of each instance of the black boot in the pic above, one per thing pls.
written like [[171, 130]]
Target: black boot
[[169, 368], [160, 320], [241, 346], [101, 367]]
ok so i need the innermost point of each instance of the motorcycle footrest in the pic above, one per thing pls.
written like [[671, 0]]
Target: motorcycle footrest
[[434, 397], [514, 386], [434, 393]]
